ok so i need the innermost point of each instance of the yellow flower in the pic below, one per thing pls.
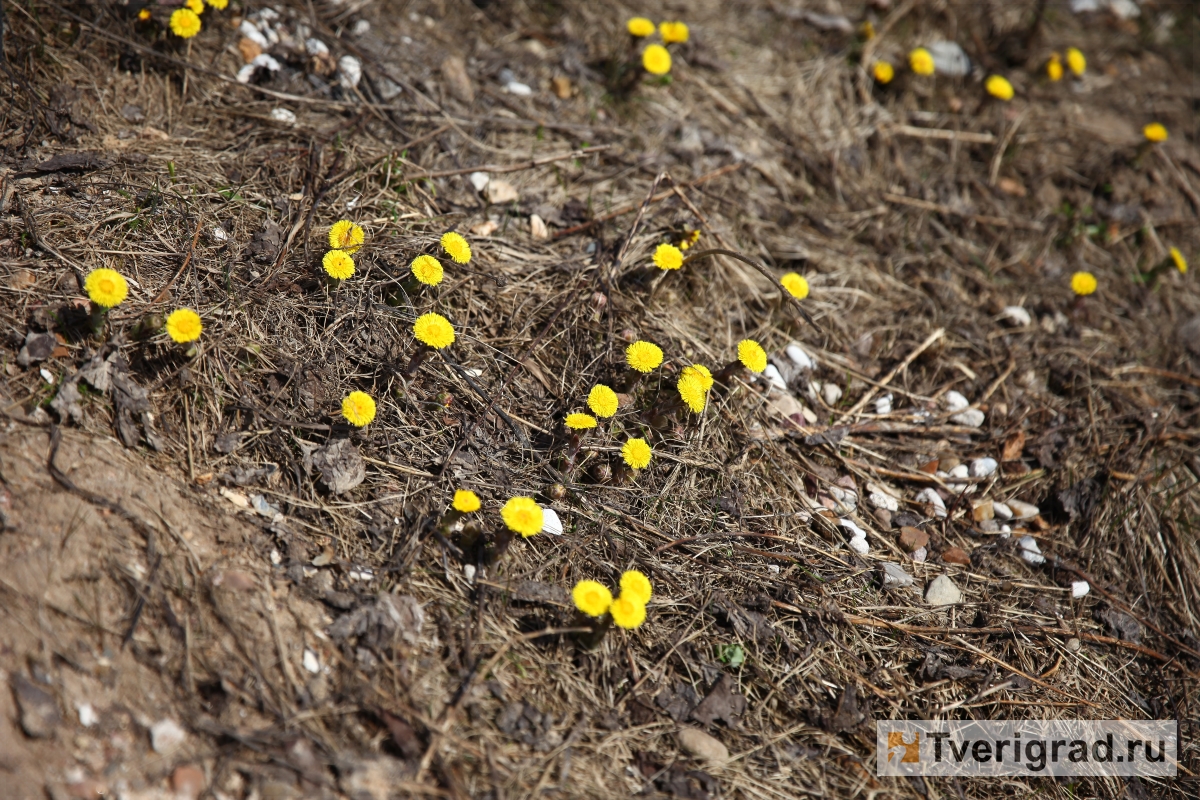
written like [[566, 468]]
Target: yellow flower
[[591, 598], [580, 422], [673, 32], [1054, 68], [636, 585], [627, 612], [643, 356], [144, 14], [185, 23], [358, 408], [636, 453], [921, 61], [640, 27], [183, 325], [797, 285], [701, 372], [752, 356], [883, 72], [656, 60], [456, 247], [427, 269], [345, 235], [106, 287], [999, 87], [339, 265], [691, 391], [1083, 283], [465, 501], [219, 5], [434, 330], [1076, 62], [523, 515], [1155, 132], [602, 400], [1180, 262], [689, 239], [195, 5], [668, 256]]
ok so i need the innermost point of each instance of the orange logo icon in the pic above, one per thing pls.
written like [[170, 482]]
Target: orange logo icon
[[912, 750]]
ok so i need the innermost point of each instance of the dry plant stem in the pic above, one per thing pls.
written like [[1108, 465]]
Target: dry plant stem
[[903, 365], [720, 251], [418, 357], [187, 259]]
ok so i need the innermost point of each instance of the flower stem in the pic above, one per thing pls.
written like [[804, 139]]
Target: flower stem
[[418, 356]]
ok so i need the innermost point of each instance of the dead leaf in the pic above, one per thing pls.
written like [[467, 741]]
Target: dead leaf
[[561, 86], [722, 703], [1011, 187], [249, 49], [454, 70], [848, 715], [341, 466], [1014, 445]]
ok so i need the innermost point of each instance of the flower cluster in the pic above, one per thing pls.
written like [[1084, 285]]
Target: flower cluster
[[185, 22], [627, 611], [656, 58], [345, 239]]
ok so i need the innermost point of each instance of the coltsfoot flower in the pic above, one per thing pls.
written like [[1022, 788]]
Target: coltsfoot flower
[[1155, 132], [1083, 283], [219, 5], [456, 247], [106, 287], [643, 356], [636, 453], [602, 401], [183, 325], [184, 23], [523, 515], [195, 5], [358, 408], [691, 391], [640, 27], [345, 235], [883, 72], [465, 501], [1181, 263], [668, 256], [1054, 68], [1076, 62], [627, 612], [673, 32], [797, 285], [434, 330], [702, 373], [580, 422], [656, 60], [592, 598], [921, 61], [338, 264], [752, 356], [427, 269], [999, 87], [636, 585]]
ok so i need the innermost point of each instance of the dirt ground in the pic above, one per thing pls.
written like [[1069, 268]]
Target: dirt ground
[[212, 586]]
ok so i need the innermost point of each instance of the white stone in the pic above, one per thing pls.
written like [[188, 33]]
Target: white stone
[[47, 375], [955, 401], [771, 373], [919, 555], [934, 499], [1082, 6], [949, 59], [517, 88], [855, 531], [264, 60], [883, 405], [831, 393], [960, 471], [537, 227], [1002, 510], [551, 523], [469, 572], [1016, 316], [500, 192], [1125, 9], [87, 715], [942, 592], [983, 467], [251, 32], [1022, 510], [360, 27], [166, 736], [283, 115], [219, 234], [349, 71], [703, 746], [800, 357], [276, 557], [315, 47], [894, 576], [479, 180], [859, 545], [971, 418], [1080, 588], [1030, 550], [884, 501], [310, 662]]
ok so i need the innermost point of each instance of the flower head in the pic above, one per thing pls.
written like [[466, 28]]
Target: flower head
[[636, 453], [656, 59], [673, 32], [602, 401], [1076, 62], [643, 356], [219, 5], [883, 72], [921, 61], [1180, 262], [427, 269], [627, 612], [345, 235], [456, 247], [523, 515], [183, 325], [668, 256], [434, 330], [358, 408], [1054, 68], [702, 374], [999, 87], [592, 598], [185, 23], [194, 5], [640, 27], [106, 287], [144, 14], [636, 585], [752, 356], [465, 501], [797, 285], [689, 239], [580, 422], [338, 264], [1155, 132], [691, 391], [1083, 283]]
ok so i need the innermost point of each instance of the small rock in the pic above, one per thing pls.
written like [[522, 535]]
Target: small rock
[[883, 500], [982, 510], [943, 592], [894, 576], [1002, 511], [500, 192], [1080, 588], [360, 27], [537, 227], [1016, 316], [135, 114], [859, 545], [885, 518], [38, 347], [934, 499], [40, 715], [955, 401], [561, 86], [971, 418], [983, 467], [310, 662], [479, 180], [1073, 645], [960, 471], [87, 714], [469, 573], [1012, 187], [989, 526], [187, 781], [912, 539], [166, 736], [485, 228], [800, 357], [956, 555], [1022, 510], [831, 393], [949, 59], [518, 88], [349, 71], [771, 373], [919, 555], [708, 748], [551, 523], [1030, 551], [237, 498], [883, 405], [283, 116]]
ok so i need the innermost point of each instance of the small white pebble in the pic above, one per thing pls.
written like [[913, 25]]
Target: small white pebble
[[315, 47], [1002, 511], [934, 499], [831, 393], [47, 375], [283, 115], [971, 418], [855, 531], [551, 523], [884, 501], [800, 357], [479, 180], [771, 373], [1080, 588], [983, 467], [360, 27], [859, 545], [1030, 550], [311, 663], [919, 555], [276, 559], [883, 405], [349, 71], [87, 715], [1017, 316], [960, 471], [517, 88], [773, 568], [219, 233], [955, 401], [469, 572]]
